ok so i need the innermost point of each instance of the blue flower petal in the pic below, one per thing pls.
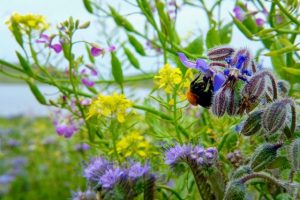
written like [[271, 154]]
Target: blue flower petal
[[186, 62], [219, 80], [202, 66]]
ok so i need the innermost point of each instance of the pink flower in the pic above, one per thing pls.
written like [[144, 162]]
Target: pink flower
[[259, 21], [45, 39], [96, 51]]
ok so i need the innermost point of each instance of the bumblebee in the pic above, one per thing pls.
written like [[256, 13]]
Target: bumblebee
[[201, 91]]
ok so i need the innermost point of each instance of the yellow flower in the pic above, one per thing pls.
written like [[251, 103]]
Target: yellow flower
[[114, 105], [133, 144], [27, 22], [171, 79]]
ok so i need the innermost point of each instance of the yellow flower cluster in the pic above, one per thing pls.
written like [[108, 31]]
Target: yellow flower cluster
[[133, 144], [171, 79], [110, 106], [27, 21]]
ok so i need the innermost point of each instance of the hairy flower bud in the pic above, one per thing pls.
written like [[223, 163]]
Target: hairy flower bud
[[252, 124], [220, 53], [235, 191], [224, 100], [294, 155], [241, 171], [255, 88], [264, 155], [274, 117]]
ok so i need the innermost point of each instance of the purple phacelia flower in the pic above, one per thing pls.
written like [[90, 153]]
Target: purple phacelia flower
[[111, 48], [6, 179], [96, 169], [67, 130], [239, 13], [137, 170], [82, 147], [13, 143], [111, 177], [177, 153]]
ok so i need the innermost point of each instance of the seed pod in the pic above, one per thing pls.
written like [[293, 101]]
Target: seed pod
[[36, 92], [294, 155], [241, 171], [120, 20], [235, 191], [274, 117], [219, 53], [264, 155], [220, 102], [137, 45], [253, 123]]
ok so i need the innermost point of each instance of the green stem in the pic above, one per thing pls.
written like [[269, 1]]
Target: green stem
[[170, 190], [287, 13]]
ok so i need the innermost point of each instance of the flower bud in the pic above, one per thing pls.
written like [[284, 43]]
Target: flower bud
[[274, 117], [252, 124], [255, 88], [220, 53], [221, 101], [235, 191], [241, 171], [264, 155], [294, 155]]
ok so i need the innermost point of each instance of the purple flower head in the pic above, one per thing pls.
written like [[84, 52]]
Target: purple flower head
[[177, 153], [259, 22], [13, 143], [96, 169], [111, 177], [96, 51], [137, 170], [17, 162], [239, 13], [47, 40], [67, 130], [197, 151], [85, 102], [82, 147], [87, 82], [6, 179]]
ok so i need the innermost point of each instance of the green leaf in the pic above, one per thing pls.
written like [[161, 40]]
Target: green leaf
[[25, 64], [196, 46], [137, 45], [36, 92], [280, 162], [292, 71], [116, 69], [132, 59], [17, 33], [88, 50], [226, 33], [88, 6], [212, 38]]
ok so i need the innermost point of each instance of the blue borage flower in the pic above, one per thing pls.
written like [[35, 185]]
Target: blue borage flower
[[236, 66]]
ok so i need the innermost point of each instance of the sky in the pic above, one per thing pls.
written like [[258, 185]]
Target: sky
[[189, 20]]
